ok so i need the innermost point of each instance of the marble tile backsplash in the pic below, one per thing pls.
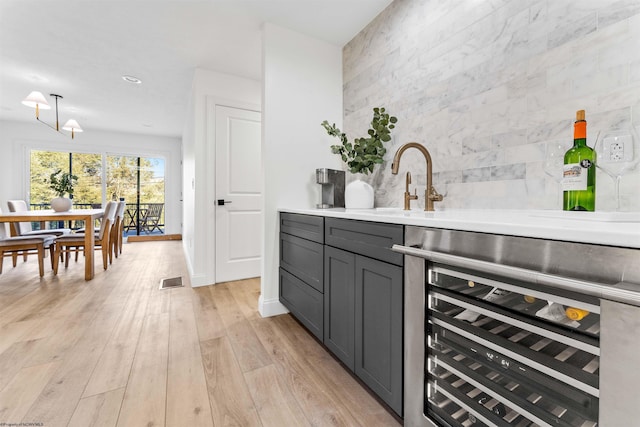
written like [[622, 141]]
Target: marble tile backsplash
[[486, 85]]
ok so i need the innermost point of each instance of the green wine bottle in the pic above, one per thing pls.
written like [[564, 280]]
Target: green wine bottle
[[579, 174]]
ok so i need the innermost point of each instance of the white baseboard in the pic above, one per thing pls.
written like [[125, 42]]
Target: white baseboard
[[271, 307], [197, 280], [200, 280]]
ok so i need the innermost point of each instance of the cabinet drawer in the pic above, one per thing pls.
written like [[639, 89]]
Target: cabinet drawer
[[371, 239], [308, 227], [304, 302], [302, 258]]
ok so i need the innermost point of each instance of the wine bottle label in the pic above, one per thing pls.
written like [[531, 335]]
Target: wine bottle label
[[574, 176], [555, 312], [495, 295]]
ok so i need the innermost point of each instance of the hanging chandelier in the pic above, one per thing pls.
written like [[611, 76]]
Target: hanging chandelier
[[37, 100]]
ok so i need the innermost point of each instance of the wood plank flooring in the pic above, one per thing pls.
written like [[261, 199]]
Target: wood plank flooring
[[118, 351]]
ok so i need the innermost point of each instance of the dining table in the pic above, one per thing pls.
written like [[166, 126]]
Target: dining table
[[44, 216]]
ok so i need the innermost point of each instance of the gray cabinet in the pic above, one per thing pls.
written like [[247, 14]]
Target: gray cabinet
[[304, 302], [371, 239], [363, 303], [339, 303], [378, 328], [301, 269], [341, 280]]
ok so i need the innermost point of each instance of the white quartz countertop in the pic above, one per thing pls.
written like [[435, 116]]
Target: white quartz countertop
[[605, 228]]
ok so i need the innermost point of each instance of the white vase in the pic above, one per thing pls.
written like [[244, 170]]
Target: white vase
[[358, 195], [61, 204]]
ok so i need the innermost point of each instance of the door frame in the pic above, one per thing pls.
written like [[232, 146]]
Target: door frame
[[210, 182]]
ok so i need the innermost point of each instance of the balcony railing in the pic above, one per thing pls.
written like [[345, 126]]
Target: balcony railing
[[145, 218]]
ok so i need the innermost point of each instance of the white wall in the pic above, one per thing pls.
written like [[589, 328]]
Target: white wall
[[302, 86], [209, 88], [18, 138]]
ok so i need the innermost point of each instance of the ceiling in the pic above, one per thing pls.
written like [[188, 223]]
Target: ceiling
[[81, 49]]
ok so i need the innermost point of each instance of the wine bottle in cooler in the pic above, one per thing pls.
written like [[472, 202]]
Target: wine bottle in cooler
[[579, 173]]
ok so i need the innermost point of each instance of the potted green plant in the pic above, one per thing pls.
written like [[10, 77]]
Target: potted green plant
[[62, 183], [363, 155]]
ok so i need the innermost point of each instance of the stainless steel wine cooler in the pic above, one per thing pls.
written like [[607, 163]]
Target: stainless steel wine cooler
[[512, 331]]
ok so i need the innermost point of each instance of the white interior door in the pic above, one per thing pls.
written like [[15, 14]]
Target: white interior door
[[238, 194]]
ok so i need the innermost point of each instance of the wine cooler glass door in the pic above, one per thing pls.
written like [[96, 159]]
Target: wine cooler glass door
[[508, 353]]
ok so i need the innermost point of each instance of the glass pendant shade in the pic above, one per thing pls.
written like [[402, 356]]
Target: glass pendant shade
[[36, 99], [72, 125]]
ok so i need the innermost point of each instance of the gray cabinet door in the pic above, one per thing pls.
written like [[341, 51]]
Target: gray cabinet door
[[378, 328], [339, 289]]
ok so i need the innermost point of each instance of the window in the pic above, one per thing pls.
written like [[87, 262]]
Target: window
[[140, 181], [137, 180]]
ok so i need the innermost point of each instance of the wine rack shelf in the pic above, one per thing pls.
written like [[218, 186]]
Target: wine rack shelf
[[509, 353]]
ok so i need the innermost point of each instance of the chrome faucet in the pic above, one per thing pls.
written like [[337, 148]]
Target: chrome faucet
[[430, 193]]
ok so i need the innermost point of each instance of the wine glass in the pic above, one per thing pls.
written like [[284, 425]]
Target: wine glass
[[554, 163], [617, 152]]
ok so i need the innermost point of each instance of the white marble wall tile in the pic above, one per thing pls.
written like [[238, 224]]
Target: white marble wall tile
[[558, 130], [608, 119], [475, 175], [525, 153], [484, 158], [485, 85], [508, 172], [448, 177], [573, 28], [535, 171], [617, 11], [603, 81], [512, 138], [629, 192], [476, 144], [536, 187]]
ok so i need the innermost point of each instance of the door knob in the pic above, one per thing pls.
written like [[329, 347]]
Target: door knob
[[222, 202]]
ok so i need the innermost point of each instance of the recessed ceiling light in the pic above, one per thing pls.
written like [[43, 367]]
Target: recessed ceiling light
[[131, 79]]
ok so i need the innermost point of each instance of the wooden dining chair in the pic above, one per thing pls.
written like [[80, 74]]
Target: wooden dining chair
[[74, 242], [115, 239], [118, 229], [25, 228], [12, 245]]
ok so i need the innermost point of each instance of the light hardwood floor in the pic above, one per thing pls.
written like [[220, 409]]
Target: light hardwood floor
[[118, 351]]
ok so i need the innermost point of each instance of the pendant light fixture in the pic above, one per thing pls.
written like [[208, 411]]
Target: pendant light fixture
[[37, 100]]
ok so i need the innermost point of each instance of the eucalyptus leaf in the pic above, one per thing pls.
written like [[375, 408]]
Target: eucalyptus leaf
[[363, 154]]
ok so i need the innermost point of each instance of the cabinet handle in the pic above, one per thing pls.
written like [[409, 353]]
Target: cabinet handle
[[616, 292]]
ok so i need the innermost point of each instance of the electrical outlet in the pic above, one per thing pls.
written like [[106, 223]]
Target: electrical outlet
[[618, 148], [617, 151]]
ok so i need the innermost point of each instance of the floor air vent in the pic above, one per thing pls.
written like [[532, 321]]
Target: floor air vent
[[174, 282]]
